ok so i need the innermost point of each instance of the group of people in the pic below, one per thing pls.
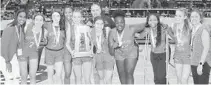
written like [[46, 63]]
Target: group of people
[[102, 42]]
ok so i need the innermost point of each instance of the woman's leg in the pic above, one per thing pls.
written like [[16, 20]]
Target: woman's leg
[[33, 70], [185, 73], [78, 73], [179, 69], [121, 71], [87, 70], [108, 76], [154, 63], [102, 76], [40, 49], [58, 67], [194, 74], [67, 70], [130, 65], [23, 71], [161, 69], [50, 74]]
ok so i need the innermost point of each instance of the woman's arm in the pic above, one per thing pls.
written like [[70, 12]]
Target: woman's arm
[[138, 27], [206, 44], [170, 32], [111, 44], [89, 30], [68, 36], [5, 41], [141, 35]]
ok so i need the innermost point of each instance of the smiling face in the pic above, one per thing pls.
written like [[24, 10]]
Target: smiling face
[[180, 16], [38, 20], [21, 18], [153, 21], [56, 17], [120, 23], [77, 17], [195, 18], [68, 13], [99, 26], [95, 10]]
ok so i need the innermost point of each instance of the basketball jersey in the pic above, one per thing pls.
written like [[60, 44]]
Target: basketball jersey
[[129, 48], [183, 39], [52, 39], [30, 44]]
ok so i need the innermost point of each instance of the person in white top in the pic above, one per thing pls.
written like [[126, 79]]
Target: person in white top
[[80, 46]]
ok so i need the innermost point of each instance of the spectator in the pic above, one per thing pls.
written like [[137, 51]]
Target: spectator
[[141, 4]]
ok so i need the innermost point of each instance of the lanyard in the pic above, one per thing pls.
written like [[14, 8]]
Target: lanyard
[[99, 41], [37, 41], [179, 35], [120, 37], [18, 33], [57, 34], [194, 33], [153, 38]]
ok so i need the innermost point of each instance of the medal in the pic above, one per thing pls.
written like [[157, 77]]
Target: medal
[[153, 38], [57, 35], [37, 39], [19, 51], [120, 37], [99, 40]]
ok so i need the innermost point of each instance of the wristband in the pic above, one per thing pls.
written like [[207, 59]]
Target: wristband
[[200, 63], [7, 62]]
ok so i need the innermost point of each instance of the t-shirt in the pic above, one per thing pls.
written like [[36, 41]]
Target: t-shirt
[[55, 41]]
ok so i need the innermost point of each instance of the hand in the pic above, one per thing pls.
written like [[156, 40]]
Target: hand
[[125, 44], [199, 69], [137, 35], [89, 23], [99, 50], [72, 52], [147, 30], [28, 21], [9, 67], [115, 45], [107, 30]]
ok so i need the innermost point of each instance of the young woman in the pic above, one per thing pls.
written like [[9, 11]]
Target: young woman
[[157, 33], [201, 49], [96, 11], [67, 58], [54, 52], [80, 46], [182, 35], [13, 38], [104, 62], [32, 39], [123, 47]]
